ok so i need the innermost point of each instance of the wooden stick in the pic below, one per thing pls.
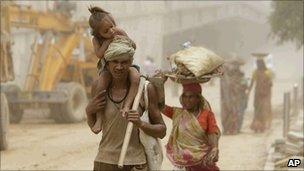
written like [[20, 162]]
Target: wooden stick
[[130, 124]]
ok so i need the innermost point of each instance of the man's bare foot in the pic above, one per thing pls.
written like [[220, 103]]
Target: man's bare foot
[[96, 128]]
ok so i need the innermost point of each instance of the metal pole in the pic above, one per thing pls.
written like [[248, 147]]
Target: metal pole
[[286, 114], [288, 111], [302, 92], [295, 100]]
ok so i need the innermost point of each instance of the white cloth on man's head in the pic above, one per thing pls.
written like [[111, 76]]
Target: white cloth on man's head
[[120, 45]]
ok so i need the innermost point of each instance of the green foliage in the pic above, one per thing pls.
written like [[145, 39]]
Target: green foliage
[[286, 21]]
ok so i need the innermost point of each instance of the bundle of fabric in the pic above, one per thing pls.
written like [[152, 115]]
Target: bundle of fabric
[[195, 64]]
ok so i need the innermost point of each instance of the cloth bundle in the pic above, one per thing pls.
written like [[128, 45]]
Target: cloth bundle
[[196, 62], [152, 146]]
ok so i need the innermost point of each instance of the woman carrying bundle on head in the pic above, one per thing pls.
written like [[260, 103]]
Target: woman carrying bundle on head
[[193, 142]]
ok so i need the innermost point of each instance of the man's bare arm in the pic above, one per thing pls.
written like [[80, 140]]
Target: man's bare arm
[[97, 103], [91, 116], [157, 127]]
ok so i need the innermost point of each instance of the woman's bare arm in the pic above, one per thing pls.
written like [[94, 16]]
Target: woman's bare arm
[[213, 139]]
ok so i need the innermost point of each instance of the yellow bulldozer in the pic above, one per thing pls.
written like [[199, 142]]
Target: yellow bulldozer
[[7, 74], [62, 64]]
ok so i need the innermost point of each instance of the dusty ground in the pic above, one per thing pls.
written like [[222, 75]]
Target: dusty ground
[[39, 143], [48, 145]]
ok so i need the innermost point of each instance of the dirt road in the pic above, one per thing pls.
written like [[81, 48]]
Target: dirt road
[[41, 144], [46, 145]]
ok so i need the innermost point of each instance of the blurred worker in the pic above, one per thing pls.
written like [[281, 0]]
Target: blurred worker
[[233, 96], [262, 77], [65, 7], [149, 66], [243, 99]]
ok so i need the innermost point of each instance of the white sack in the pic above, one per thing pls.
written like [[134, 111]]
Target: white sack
[[198, 60]]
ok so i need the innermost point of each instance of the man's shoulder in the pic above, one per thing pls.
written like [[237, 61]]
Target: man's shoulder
[[150, 87], [148, 91]]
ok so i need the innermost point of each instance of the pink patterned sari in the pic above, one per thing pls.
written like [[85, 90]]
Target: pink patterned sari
[[188, 143]]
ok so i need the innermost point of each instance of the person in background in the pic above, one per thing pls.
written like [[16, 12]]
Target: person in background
[[243, 100], [262, 78], [149, 66], [233, 97], [66, 7]]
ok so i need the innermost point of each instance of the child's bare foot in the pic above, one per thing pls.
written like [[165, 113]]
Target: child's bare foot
[[96, 128]]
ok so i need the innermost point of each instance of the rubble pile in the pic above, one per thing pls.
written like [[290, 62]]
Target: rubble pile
[[291, 147]]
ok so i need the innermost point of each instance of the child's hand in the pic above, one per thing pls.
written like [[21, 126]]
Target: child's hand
[[108, 41], [124, 112]]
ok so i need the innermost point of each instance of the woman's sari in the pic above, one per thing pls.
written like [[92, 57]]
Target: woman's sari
[[188, 142], [262, 100], [230, 101]]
